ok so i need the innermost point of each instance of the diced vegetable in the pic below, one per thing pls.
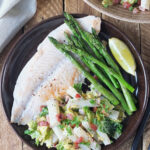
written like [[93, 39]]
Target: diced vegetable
[[145, 4], [114, 115], [53, 109], [59, 133], [104, 137], [73, 93], [82, 103]]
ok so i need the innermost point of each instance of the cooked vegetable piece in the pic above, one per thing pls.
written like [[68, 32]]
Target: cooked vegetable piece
[[53, 109], [107, 57], [75, 103]]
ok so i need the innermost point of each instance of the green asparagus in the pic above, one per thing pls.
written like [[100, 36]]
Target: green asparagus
[[97, 85], [102, 78], [91, 58], [92, 40], [73, 29]]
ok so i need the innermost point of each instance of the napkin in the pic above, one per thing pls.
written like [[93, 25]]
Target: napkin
[[13, 16]]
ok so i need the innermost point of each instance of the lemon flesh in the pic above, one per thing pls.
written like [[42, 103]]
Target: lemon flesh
[[122, 55]]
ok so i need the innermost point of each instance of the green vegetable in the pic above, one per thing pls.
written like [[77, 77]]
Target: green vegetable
[[60, 146], [82, 53], [61, 126], [110, 127], [28, 132], [40, 133], [96, 43], [90, 115], [92, 101], [69, 130], [32, 125], [81, 44], [78, 87], [65, 145], [44, 112], [75, 121], [131, 8], [102, 77], [85, 143], [97, 85]]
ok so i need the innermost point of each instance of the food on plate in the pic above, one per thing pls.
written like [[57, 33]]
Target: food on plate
[[123, 55], [42, 72], [133, 5], [81, 120], [74, 95]]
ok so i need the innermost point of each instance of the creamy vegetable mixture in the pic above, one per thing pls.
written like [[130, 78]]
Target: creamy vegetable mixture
[[83, 118]]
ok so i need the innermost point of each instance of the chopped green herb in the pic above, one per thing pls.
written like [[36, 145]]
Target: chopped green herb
[[44, 112], [61, 126], [78, 87], [85, 143], [131, 8], [66, 121], [106, 5], [28, 132], [110, 127], [92, 101], [37, 142], [75, 121], [69, 131], [60, 146]]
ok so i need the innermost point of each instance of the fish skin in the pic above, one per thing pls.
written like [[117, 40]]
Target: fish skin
[[42, 65]]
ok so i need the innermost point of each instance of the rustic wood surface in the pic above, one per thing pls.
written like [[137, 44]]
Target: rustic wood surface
[[138, 33]]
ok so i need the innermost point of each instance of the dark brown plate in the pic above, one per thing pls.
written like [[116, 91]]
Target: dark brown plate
[[26, 46]]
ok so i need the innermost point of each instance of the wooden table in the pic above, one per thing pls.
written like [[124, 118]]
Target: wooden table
[[138, 33]]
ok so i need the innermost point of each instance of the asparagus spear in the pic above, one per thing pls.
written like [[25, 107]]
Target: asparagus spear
[[97, 85], [100, 75], [90, 39], [129, 98], [91, 58], [73, 29]]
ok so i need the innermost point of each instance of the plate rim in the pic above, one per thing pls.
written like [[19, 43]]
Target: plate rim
[[11, 51]]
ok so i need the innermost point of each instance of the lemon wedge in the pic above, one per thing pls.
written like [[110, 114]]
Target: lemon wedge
[[123, 55]]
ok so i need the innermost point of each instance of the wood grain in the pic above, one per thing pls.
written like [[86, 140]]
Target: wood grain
[[145, 53], [8, 138], [78, 6], [45, 10]]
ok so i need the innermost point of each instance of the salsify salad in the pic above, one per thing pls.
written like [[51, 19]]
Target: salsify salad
[[132, 5], [84, 120]]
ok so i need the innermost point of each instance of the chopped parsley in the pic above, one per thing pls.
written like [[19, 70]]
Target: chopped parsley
[[85, 143], [69, 131], [44, 112], [78, 87], [61, 126], [75, 121], [92, 101], [28, 132]]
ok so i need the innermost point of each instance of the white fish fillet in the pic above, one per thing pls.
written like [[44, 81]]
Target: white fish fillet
[[40, 70]]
